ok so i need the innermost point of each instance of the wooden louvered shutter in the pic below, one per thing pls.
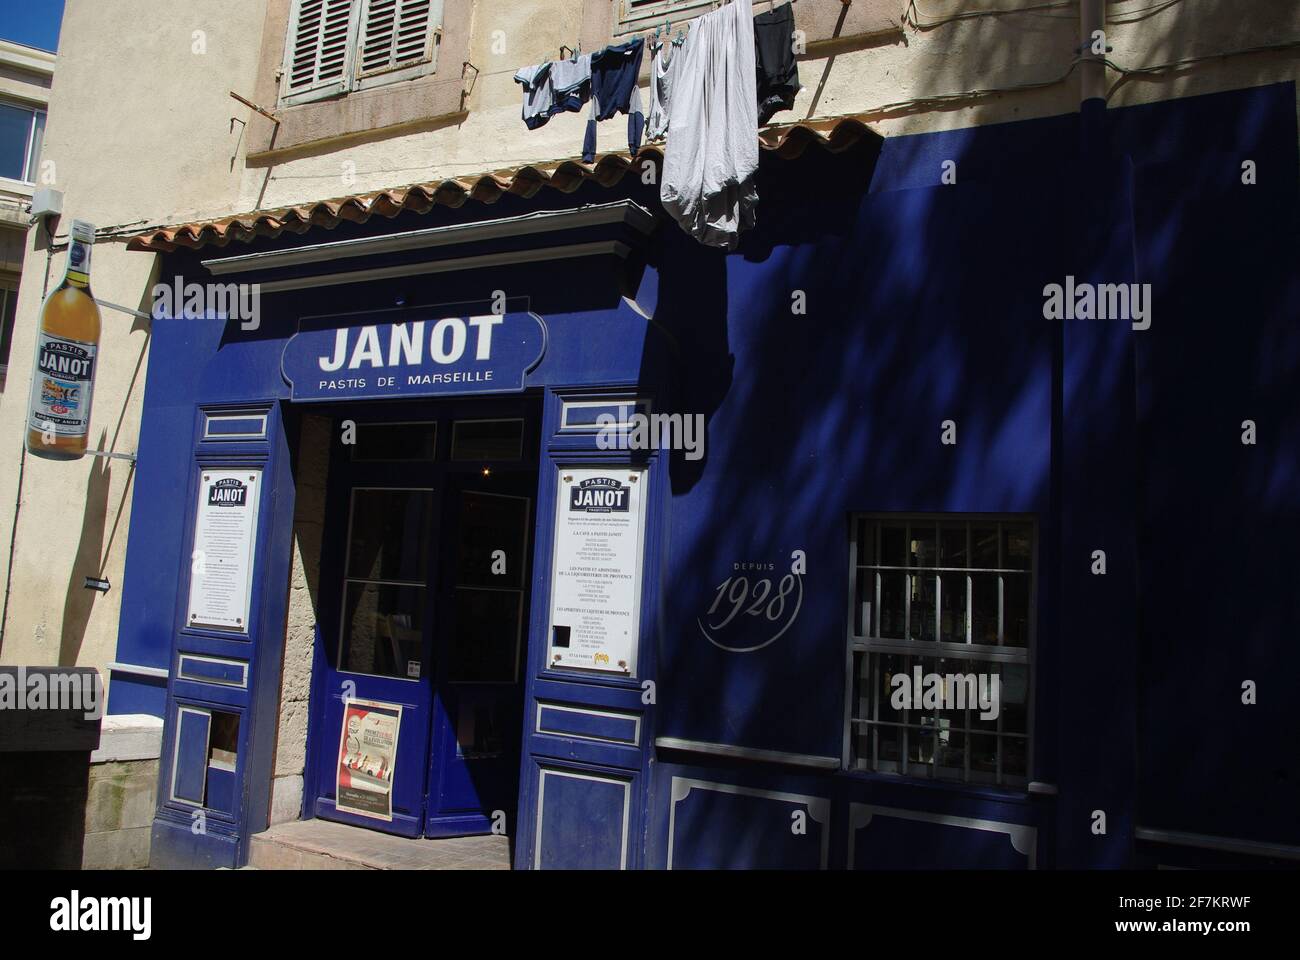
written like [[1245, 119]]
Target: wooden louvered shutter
[[397, 34], [318, 58]]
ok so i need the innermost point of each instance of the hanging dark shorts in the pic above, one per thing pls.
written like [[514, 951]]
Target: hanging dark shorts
[[778, 74]]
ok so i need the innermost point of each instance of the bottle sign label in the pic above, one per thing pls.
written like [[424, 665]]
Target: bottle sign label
[[65, 375]]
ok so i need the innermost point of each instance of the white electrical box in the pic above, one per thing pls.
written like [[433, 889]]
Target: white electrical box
[[47, 202]]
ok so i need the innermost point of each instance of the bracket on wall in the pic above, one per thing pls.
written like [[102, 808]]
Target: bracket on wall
[[138, 314], [252, 106], [465, 91], [112, 456]]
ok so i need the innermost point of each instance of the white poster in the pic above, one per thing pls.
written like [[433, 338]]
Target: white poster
[[225, 533], [596, 571], [367, 758]]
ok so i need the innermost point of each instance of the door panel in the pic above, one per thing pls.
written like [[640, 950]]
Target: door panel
[[484, 598], [376, 631]]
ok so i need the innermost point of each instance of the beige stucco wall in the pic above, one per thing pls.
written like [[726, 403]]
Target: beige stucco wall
[[888, 76], [143, 131], [25, 77], [139, 129]]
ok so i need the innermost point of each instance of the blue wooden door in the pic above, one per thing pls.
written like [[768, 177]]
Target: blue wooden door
[[481, 632], [377, 608], [423, 614]]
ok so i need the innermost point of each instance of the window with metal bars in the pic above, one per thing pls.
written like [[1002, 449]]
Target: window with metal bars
[[337, 46], [941, 637]]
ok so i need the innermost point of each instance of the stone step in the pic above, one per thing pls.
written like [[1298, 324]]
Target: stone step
[[324, 845]]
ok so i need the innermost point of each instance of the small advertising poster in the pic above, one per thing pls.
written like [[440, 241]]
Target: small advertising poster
[[367, 754], [225, 532], [596, 572]]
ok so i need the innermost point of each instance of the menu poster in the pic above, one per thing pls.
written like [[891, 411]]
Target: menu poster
[[225, 532], [367, 755], [596, 571]]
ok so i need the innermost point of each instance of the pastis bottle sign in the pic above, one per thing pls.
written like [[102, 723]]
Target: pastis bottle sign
[[67, 342]]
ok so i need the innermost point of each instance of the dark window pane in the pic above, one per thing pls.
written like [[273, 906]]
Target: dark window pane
[[952, 613], [8, 309], [921, 622], [1014, 696], [480, 727], [487, 440], [984, 544], [984, 613], [864, 536], [893, 545], [1015, 600], [395, 441], [1015, 757], [952, 545], [390, 534], [485, 646], [984, 755], [1017, 546], [489, 523], [15, 129], [383, 630], [888, 742], [893, 597]]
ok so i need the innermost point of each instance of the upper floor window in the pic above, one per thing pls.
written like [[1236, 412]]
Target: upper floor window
[[941, 634], [337, 46], [22, 129], [8, 309], [638, 16]]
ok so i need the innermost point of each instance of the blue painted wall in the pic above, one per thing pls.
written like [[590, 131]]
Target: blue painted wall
[[924, 303]]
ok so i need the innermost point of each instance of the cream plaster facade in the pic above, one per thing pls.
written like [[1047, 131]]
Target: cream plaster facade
[[25, 77], [143, 132]]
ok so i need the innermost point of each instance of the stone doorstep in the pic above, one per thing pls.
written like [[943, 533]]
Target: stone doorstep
[[324, 845], [128, 736]]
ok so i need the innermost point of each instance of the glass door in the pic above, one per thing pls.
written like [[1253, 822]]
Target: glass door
[[416, 719], [474, 762], [373, 698]]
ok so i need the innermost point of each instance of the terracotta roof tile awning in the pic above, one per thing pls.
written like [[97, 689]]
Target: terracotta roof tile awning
[[566, 175]]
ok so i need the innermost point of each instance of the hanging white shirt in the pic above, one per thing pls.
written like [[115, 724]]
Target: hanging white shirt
[[712, 153]]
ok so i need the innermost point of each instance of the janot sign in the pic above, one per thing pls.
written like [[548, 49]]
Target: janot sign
[[414, 353]]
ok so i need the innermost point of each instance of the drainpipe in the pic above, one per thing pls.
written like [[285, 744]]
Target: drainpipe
[[1092, 75], [1096, 497]]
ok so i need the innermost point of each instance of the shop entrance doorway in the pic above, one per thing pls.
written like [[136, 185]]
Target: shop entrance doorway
[[417, 688]]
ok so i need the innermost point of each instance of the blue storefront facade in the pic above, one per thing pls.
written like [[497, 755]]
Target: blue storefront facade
[[909, 461]]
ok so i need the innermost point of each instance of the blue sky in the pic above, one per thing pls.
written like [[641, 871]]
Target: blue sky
[[33, 22]]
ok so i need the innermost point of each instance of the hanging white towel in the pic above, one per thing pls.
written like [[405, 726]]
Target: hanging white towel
[[712, 152]]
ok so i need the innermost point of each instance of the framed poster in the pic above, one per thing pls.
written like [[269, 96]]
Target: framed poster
[[225, 534], [596, 569], [367, 755]]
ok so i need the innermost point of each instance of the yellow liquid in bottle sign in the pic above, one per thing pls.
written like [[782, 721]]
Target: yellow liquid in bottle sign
[[66, 346]]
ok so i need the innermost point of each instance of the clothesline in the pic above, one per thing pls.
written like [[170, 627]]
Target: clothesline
[[733, 72], [668, 21]]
